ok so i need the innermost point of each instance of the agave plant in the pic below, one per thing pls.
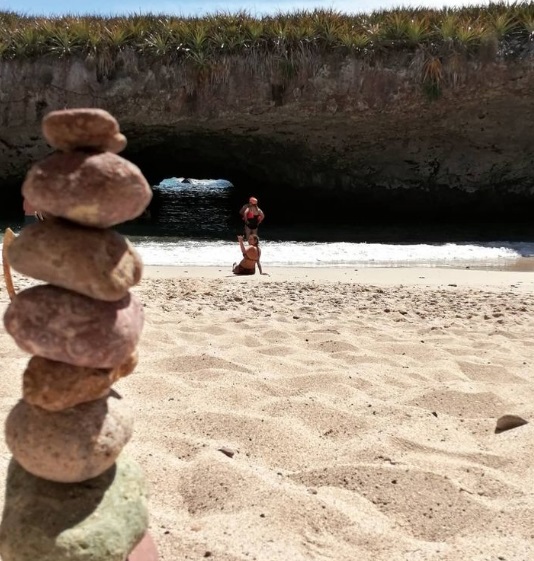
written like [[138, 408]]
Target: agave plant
[[432, 76], [27, 42], [279, 35], [88, 33], [395, 27], [447, 27], [117, 37], [354, 41], [527, 22], [254, 32], [158, 44], [63, 43], [502, 24], [469, 36], [196, 40], [60, 40], [433, 70], [417, 31], [376, 33], [327, 28]]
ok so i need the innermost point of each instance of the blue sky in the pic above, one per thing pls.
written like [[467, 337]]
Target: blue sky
[[190, 7]]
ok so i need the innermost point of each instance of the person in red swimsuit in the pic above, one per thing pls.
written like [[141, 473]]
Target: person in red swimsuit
[[251, 257], [253, 216]]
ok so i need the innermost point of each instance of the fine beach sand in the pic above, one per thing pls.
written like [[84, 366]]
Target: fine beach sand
[[359, 405]]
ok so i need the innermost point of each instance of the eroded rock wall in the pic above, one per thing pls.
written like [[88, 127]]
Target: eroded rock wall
[[364, 132]]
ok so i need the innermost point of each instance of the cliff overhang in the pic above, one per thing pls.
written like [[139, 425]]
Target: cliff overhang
[[365, 134]]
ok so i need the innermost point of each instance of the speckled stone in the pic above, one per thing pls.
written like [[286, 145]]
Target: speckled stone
[[70, 129], [99, 263], [71, 445], [55, 386], [99, 520], [92, 189], [62, 325]]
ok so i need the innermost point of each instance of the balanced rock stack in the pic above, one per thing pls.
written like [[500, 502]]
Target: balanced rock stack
[[69, 495]]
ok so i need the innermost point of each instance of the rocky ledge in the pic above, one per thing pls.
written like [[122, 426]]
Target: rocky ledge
[[367, 133]]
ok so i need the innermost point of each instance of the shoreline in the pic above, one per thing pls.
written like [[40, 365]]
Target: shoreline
[[424, 277]]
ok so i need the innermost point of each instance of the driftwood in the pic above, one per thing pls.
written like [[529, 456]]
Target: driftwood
[[9, 236]]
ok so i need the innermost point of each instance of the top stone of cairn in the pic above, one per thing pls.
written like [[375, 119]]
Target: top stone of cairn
[[73, 129]]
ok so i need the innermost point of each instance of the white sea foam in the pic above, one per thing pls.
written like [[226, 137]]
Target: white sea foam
[[309, 254], [177, 217]]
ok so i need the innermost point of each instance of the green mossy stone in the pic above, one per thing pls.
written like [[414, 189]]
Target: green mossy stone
[[101, 519]]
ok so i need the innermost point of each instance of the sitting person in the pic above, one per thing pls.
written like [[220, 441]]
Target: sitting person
[[251, 257]]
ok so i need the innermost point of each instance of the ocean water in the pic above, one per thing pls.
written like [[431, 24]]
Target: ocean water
[[196, 224]]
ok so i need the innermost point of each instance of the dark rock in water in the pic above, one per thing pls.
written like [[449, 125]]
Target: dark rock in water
[[101, 519], [186, 180]]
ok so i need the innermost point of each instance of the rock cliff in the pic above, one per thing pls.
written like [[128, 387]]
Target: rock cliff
[[372, 135]]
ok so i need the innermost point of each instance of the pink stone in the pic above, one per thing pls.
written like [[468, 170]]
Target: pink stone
[[97, 189], [62, 325], [99, 263]]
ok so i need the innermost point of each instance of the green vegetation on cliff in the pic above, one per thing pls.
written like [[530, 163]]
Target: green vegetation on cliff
[[441, 38]]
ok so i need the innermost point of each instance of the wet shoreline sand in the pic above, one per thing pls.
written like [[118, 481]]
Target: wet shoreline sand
[[520, 274]]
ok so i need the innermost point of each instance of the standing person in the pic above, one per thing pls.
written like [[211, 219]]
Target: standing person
[[251, 257], [253, 216]]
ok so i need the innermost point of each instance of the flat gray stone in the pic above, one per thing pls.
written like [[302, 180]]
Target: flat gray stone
[[98, 189], [72, 445], [99, 520], [99, 263], [62, 325]]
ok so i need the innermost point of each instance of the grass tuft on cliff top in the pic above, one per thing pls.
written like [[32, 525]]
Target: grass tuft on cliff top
[[466, 30], [435, 44]]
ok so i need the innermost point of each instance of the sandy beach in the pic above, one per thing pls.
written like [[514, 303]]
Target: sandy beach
[[330, 414]]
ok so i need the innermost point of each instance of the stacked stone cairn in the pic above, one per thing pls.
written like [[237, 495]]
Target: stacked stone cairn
[[69, 495]]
